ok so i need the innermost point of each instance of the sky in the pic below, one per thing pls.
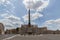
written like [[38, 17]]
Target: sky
[[44, 13]]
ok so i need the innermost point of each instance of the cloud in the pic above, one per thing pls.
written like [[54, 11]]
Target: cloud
[[2, 1], [36, 15], [33, 16], [10, 21], [9, 16], [53, 24], [36, 4], [7, 6]]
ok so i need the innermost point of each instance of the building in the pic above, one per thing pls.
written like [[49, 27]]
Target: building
[[42, 30], [11, 31], [26, 29], [1, 28]]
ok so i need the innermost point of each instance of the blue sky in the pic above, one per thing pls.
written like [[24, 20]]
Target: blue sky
[[16, 8]]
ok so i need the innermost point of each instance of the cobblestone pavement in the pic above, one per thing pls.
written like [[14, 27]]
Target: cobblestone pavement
[[6, 36], [35, 37]]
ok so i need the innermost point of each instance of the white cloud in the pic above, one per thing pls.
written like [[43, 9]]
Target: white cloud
[[36, 15], [9, 16], [5, 1], [33, 16], [8, 2], [7, 6], [36, 4], [10, 21], [2, 1], [53, 24]]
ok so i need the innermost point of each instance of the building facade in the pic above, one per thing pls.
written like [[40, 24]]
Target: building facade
[[1, 28], [25, 29]]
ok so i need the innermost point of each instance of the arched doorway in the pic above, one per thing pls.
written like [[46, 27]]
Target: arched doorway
[[29, 33], [0, 31]]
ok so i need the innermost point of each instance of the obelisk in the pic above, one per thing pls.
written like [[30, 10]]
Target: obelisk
[[29, 20]]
